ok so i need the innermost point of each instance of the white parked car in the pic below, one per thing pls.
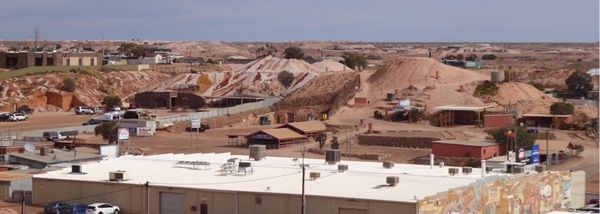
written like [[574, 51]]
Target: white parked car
[[83, 110], [17, 116], [102, 208]]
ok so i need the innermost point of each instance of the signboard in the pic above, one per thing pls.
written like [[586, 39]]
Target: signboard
[[110, 151], [195, 123], [535, 157], [123, 134], [521, 154]]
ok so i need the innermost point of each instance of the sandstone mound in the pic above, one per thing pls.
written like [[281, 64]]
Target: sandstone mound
[[330, 65], [523, 97], [426, 82], [260, 77]]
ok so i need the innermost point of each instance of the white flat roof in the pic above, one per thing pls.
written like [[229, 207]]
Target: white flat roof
[[462, 108], [363, 180]]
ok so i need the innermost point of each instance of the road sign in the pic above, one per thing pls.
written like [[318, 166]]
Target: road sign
[[535, 158], [123, 133], [521, 154], [196, 123]]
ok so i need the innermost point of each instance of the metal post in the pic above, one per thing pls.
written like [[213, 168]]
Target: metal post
[[303, 210], [547, 152], [23, 202]]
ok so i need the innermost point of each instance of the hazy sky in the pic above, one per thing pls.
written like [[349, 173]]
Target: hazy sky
[[281, 20]]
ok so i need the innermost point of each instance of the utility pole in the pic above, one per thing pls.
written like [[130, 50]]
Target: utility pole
[[36, 35], [547, 153]]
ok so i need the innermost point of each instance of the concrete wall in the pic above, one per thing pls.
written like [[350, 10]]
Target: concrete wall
[[133, 198], [535, 193]]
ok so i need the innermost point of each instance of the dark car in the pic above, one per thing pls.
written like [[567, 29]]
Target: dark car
[[92, 121], [4, 116], [203, 127], [65, 208]]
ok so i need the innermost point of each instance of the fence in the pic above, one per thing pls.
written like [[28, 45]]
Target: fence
[[583, 102], [222, 111]]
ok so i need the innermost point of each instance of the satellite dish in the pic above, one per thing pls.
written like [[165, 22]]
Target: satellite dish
[[30, 147]]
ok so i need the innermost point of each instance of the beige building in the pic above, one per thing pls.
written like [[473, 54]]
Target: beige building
[[23, 59], [222, 183]]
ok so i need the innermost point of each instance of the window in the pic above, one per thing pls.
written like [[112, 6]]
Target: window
[[483, 151], [203, 208]]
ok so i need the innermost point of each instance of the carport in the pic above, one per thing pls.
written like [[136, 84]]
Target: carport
[[451, 115]]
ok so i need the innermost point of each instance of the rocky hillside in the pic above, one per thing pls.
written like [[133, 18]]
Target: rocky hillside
[[45, 92]]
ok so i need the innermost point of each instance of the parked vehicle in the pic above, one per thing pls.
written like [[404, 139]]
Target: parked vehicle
[[25, 109], [160, 125], [83, 110], [98, 110], [17, 116], [65, 208], [203, 127], [53, 136], [4, 116], [92, 121], [102, 208]]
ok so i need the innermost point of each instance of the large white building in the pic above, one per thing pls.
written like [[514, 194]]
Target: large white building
[[205, 183]]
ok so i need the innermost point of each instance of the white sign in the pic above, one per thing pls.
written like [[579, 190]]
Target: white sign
[[196, 123], [521, 154], [123, 134], [110, 151]]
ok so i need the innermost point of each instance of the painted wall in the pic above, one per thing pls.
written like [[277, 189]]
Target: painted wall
[[536, 193], [451, 150]]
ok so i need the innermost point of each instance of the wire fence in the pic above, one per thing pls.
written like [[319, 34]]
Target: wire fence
[[222, 111]]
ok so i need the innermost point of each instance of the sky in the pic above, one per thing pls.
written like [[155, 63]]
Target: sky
[[315, 20]]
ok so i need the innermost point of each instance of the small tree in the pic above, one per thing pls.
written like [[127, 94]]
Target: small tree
[[460, 57], [69, 85], [488, 57], [486, 88], [562, 108], [286, 78], [112, 101], [578, 84], [108, 131], [524, 139], [293, 53], [354, 60]]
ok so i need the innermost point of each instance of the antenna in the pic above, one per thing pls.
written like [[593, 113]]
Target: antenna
[[36, 32], [29, 147]]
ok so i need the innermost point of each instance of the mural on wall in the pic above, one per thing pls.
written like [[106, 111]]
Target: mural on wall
[[536, 193]]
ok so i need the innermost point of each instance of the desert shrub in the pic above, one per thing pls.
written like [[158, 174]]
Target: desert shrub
[[486, 88], [488, 57], [562, 108], [537, 85], [377, 114], [471, 57], [108, 90], [578, 84], [286, 78], [293, 53], [112, 101], [69, 85], [108, 131]]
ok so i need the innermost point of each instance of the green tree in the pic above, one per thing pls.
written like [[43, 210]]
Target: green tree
[[69, 85], [132, 49], [578, 84], [286, 78], [108, 131], [112, 101], [293, 53], [355, 61], [524, 139], [488, 57], [562, 108]]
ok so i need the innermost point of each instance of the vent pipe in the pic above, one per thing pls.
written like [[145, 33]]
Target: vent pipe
[[483, 168], [431, 160]]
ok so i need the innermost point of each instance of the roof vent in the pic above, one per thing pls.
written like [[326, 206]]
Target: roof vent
[[332, 156], [258, 152], [314, 175], [518, 169], [392, 180], [118, 176], [245, 167], [453, 171], [342, 167], [76, 169], [467, 170], [540, 168], [388, 164]]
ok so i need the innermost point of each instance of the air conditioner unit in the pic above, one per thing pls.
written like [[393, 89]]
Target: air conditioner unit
[[118, 176], [466, 170], [314, 175], [258, 152], [453, 171], [540, 168], [518, 169], [75, 168], [244, 164], [388, 164], [342, 167], [332, 156], [392, 180]]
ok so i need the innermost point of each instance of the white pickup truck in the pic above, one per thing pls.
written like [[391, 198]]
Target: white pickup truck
[[17, 116]]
